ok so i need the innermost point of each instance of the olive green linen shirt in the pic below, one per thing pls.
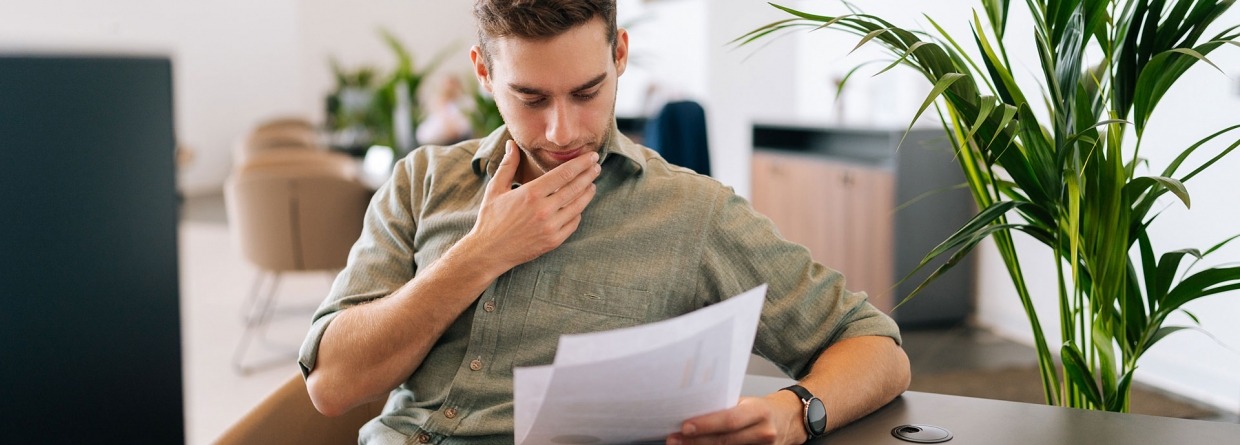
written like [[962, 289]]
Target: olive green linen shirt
[[657, 241]]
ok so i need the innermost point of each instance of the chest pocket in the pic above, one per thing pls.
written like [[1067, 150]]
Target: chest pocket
[[564, 305]]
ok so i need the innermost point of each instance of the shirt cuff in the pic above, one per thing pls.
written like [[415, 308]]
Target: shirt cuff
[[310, 347]]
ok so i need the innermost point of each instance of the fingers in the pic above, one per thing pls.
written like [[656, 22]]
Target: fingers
[[569, 193], [507, 170], [754, 435], [726, 421], [569, 227], [518, 225], [577, 204], [748, 422], [565, 174]]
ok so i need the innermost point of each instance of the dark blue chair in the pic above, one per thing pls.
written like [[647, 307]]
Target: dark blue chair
[[678, 133]]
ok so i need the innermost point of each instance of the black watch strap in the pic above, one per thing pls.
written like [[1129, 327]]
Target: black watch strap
[[814, 412], [801, 392]]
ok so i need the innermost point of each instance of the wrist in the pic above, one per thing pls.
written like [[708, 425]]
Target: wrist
[[813, 412], [469, 254], [791, 416]]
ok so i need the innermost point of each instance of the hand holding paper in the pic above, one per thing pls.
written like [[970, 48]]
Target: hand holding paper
[[638, 384]]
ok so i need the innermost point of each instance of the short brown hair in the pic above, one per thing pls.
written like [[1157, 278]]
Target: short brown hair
[[539, 19]]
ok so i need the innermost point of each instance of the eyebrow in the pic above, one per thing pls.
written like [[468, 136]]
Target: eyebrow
[[521, 89]]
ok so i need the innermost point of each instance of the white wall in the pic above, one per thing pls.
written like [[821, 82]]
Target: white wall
[[236, 62], [349, 31], [231, 59], [1191, 362], [745, 87], [681, 46], [667, 54], [825, 57]]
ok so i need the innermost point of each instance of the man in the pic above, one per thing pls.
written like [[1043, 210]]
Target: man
[[476, 257]]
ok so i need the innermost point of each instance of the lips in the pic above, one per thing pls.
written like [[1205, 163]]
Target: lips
[[565, 156]]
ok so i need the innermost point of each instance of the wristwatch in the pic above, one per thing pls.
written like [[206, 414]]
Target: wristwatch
[[815, 413]]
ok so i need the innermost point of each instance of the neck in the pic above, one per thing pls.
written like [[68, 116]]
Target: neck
[[527, 171]]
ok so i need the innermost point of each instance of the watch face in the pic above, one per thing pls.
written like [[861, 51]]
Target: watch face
[[816, 416]]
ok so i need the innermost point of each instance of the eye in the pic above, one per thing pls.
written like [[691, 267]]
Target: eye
[[583, 97], [534, 103]]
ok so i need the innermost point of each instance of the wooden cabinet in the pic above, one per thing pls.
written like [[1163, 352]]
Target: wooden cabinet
[[839, 192], [838, 211]]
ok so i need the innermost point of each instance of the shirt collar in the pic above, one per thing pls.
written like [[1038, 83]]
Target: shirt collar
[[491, 151]]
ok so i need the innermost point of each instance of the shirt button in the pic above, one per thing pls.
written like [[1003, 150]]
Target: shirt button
[[489, 306], [424, 438], [450, 413], [475, 365]]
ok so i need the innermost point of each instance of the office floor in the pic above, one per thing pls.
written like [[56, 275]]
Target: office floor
[[216, 280]]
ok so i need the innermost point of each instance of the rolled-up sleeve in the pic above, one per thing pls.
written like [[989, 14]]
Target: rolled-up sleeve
[[807, 306], [380, 262]]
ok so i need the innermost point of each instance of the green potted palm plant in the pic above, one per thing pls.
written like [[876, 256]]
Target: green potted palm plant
[[1073, 177], [397, 98], [366, 109], [352, 117]]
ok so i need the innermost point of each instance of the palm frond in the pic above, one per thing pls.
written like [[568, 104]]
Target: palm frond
[[1066, 175]]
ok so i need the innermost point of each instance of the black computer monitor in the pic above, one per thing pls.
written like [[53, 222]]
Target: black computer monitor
[[90, 340]]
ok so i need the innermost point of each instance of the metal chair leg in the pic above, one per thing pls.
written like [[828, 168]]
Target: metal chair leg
[[258, 311], [261, 309], [247, 308]]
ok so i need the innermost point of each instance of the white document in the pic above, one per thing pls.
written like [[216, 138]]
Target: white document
[[638, 384]]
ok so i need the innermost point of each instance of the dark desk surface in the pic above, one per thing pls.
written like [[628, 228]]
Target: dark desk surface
[[983, 421]]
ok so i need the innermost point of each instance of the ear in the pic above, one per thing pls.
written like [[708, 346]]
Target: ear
[[622, 50], [480, 68]]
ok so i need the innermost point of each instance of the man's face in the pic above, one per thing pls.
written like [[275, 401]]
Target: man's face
[[557, 96]]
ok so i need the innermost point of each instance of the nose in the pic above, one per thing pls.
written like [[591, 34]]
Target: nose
[[562, 124]]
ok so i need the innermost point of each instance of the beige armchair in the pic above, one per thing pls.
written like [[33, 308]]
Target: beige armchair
[[281, 134], [288, 212], [287, 416]]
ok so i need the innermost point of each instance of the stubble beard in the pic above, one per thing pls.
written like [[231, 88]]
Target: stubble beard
[[543, 168]]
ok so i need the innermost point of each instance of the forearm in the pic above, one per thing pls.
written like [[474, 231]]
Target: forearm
[[853, 377], [369, 349], [856, 376]]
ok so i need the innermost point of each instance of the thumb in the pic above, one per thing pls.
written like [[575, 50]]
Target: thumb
[[507, 169]]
